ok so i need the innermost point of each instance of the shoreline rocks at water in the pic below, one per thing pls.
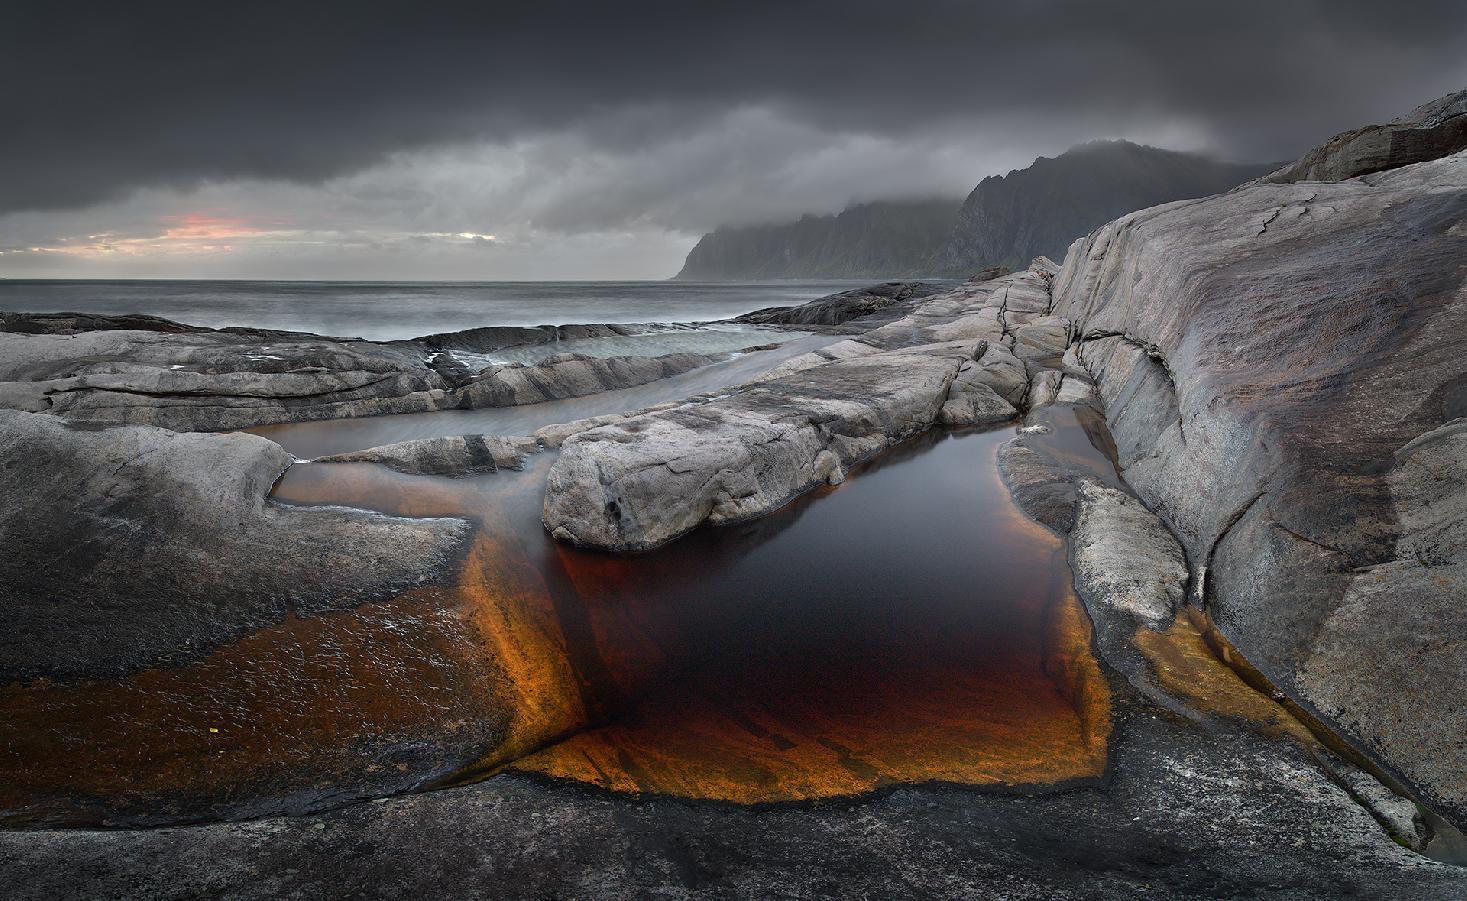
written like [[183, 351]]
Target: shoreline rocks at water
[[143, 370]]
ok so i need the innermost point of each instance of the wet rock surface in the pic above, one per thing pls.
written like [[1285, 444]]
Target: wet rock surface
[[459, 455], [1282, 368], [1188, 812], [570, 375], [136, 547]]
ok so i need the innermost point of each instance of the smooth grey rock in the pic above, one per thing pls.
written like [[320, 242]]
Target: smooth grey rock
[[970, 402], [571, 375], [134, 547], [1000, 370], [1262, 356], [1124, 557], [457, 455], [1041, 487], [1041, 338], [641, 482], [1414, 601]]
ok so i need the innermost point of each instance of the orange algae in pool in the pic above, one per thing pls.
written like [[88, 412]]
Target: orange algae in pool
[[909, 626]]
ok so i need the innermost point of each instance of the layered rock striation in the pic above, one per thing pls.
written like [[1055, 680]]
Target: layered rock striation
[[1282, 368]]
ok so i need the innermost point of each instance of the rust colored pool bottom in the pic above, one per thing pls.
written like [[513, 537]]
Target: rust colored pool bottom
[[1009, 723], [911, 626]]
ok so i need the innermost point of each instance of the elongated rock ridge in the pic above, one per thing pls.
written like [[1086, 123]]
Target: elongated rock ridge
[[1284, 370]]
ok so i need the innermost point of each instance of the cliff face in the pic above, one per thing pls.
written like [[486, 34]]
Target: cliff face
[[1009, 220], [883, 239]]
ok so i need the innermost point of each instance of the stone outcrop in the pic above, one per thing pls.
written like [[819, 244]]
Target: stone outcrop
[[570, 375], [136, 547], [635, 482], [191, 379], [1283, 371], [456, 455], [142, 370], [638, 483], [488, 339], [1125, 558], [838, 309], [1431, 131]]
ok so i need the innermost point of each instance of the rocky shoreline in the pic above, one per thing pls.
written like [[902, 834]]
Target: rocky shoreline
[[1279, 369]]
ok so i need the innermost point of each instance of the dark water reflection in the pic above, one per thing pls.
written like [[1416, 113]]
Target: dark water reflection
[[908, 626]]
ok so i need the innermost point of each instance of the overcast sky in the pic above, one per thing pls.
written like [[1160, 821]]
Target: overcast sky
[[558, 140]]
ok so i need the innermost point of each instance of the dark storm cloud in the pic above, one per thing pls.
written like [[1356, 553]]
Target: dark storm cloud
[[99, 98]]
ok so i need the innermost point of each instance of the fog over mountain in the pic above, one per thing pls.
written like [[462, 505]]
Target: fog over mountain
[[869, 240], [478, 141], [1005, 221]]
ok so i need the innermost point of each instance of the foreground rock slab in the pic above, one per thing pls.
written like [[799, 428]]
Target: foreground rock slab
[[136, 547], [1189, 813]]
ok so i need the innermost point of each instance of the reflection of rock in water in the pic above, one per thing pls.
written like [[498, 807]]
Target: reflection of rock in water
[[910, 626]]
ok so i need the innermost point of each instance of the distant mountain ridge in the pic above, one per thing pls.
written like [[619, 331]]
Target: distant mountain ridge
[[1009, 220], [1006, 220], [881, 239]]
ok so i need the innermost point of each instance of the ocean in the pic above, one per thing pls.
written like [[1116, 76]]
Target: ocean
[[384, 311]]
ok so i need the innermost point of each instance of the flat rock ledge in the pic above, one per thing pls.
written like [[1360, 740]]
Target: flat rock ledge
[[143, 370]]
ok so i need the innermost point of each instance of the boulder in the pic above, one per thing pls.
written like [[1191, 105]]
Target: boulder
[[640, 482], [970, 402], [1124, 558]]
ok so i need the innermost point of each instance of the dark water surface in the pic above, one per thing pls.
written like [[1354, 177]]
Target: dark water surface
[[383, 311], [908, 626]]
